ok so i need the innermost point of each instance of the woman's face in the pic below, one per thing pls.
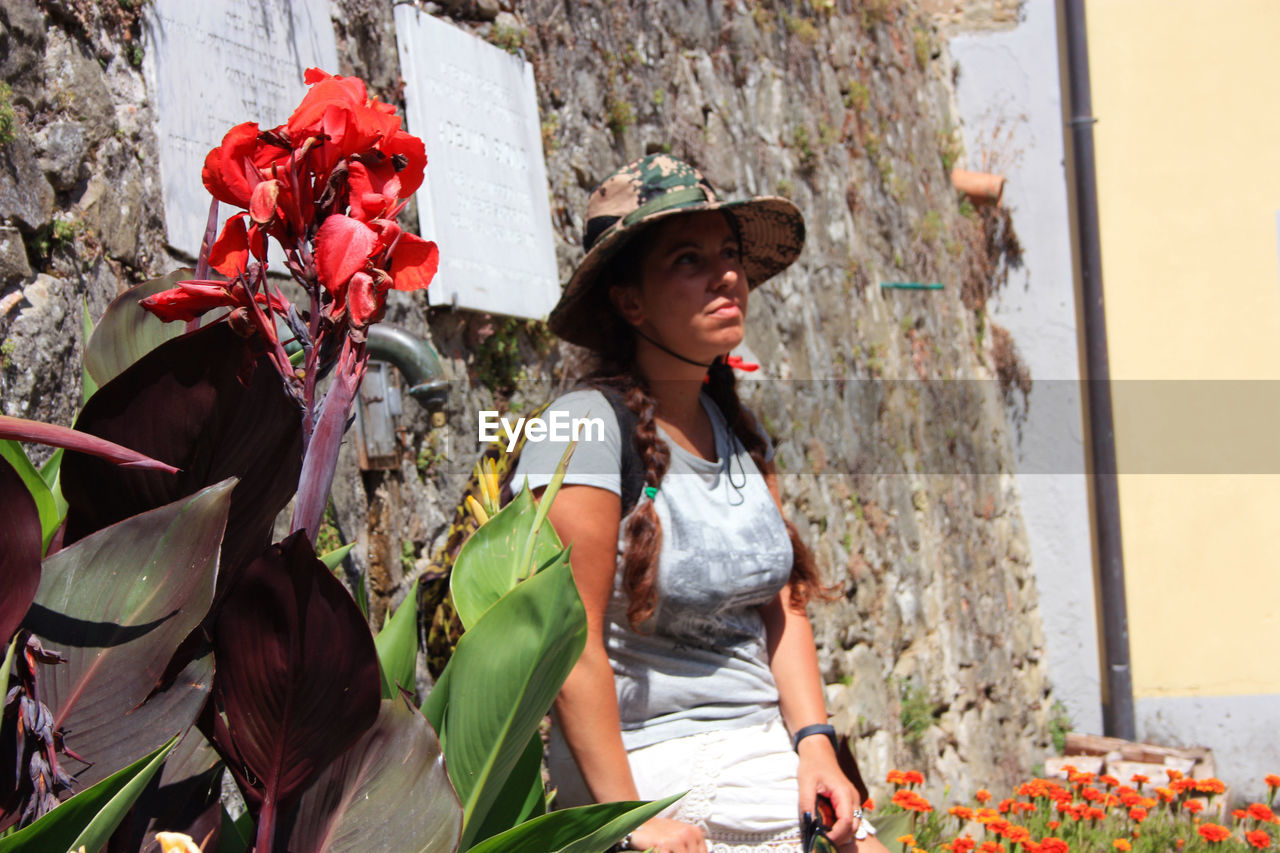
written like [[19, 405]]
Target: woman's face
[[692, 295]]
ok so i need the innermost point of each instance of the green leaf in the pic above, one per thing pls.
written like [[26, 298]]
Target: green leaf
[[523, 797], [397, 645], [89, 818], [334, 558], [435, 706], [388, 791], [502, 679], [489, 564], [127, 331], [51, 473], [891, 827], [587, 829], [46, 506], [4, 668], [87, 385], [236, 835]]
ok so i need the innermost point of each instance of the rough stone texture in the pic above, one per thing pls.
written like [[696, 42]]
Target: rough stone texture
[[932, 647], [967, 16]]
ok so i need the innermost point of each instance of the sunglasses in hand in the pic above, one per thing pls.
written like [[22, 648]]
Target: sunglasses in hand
[[814, 829]]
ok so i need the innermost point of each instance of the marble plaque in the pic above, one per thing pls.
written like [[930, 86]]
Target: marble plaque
[[213, 64], [484, 200]]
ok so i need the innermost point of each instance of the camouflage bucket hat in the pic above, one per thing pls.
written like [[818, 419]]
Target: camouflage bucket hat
[[652, 188]]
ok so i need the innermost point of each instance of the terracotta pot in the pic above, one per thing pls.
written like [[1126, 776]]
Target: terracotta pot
[[979, 186]]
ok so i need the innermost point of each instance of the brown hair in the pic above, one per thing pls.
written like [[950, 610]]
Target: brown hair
[[616, 371]]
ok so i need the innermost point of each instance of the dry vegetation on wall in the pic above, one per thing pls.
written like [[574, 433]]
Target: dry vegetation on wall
[[933, 651]]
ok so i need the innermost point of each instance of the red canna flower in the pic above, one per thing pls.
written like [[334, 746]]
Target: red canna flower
[[230, 253], [1214, 833], [737, 363], [189, 300], [1259, 839], [235, 168], [338, 110]]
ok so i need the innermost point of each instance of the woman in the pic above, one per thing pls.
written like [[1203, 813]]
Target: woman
[[700, 664]]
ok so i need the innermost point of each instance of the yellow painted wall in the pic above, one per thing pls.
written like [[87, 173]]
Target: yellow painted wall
[[1187, 97]]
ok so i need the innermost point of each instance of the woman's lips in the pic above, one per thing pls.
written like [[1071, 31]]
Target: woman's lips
[[728, 309]]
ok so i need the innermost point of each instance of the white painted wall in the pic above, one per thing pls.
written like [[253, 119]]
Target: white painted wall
[[1010, 105]]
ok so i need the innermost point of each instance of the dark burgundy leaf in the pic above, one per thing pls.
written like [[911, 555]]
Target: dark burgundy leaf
[[116, 604], [297, 675], [203, 403], [19, 553]]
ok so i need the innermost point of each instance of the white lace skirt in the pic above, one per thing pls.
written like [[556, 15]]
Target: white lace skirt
[[742, 785]]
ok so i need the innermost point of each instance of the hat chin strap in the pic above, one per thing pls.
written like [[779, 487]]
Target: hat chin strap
[[669, 351]]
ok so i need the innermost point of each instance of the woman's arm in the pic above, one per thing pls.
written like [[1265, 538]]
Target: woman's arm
[[587, 707], [793, 659]]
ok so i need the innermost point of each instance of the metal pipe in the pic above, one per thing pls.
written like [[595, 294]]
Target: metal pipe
[[416, 359], [1117, 711]]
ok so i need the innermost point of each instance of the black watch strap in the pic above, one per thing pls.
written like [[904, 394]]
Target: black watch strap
[[815, 729]]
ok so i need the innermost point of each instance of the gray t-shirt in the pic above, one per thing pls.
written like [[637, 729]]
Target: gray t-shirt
[[725, 552]]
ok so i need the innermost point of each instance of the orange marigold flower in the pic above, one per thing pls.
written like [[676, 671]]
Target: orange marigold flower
[[1054, 824], [1024, 807], [982, 795], [896, 777], [1138, 814], [998, 826], [911, 801], [1193, 806], [1112, 800], [909, 840], [1214, 833], [1210, 785], [1272, 780], [1093, 795], [869, 805], [1030, 846], [1080, 778], [1239, 814], [1138, 779], [1181, 785], [1109, 781], [914, 777], [1054, 845], [1174, 775], [1005, 805], [986, 815], [1258, 811], [1132, 798], [1165, 794], [1017, 834], [1258, 838], [991, 847], [961, 845], [961, 812], [1122, 845], [1179, 842], [1095, 814]]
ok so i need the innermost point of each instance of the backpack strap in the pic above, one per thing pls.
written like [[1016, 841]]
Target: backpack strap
[[632, 468]]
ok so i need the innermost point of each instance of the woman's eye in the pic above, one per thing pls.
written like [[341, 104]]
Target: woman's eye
[[685, 258]]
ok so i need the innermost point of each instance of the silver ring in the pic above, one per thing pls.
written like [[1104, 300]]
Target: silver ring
[[857, 813]]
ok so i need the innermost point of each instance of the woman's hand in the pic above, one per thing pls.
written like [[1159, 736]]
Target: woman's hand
[[668, 836], [819, 773]]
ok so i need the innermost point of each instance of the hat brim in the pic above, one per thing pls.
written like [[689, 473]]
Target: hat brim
[[772, 233]]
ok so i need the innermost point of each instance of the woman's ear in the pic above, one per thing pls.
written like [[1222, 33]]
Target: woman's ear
[[626, 301]]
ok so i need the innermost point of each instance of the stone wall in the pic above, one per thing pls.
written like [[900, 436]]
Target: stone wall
[[931, 647]]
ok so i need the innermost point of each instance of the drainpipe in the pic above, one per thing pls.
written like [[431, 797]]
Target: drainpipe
[[418, 363], [1117, 712]]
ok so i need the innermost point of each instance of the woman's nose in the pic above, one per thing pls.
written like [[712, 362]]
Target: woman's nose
[[728, 274]]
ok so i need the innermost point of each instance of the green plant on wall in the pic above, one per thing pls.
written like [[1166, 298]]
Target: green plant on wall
[[8, 118], [916, 714]]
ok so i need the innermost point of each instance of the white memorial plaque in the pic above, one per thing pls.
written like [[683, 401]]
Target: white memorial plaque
[[484, 200], [213, 64]]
